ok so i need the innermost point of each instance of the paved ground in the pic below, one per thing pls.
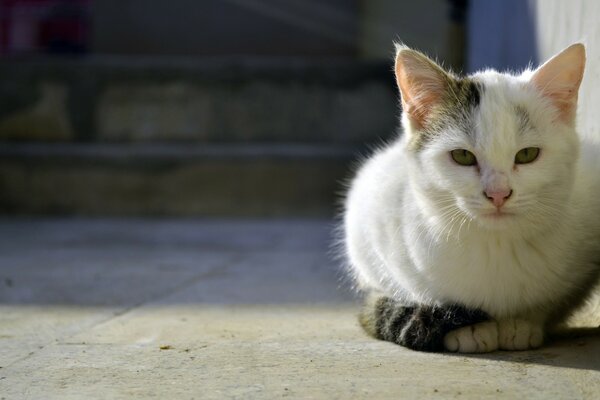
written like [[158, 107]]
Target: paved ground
[[205, 309]]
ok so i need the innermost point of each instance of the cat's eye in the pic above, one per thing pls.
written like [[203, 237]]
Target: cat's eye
[[463, 157], [527, 155]]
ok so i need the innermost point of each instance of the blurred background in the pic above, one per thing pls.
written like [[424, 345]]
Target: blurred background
[[121, 121], [230, 107]]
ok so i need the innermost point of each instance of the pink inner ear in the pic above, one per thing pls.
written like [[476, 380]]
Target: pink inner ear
[[421, 84], [559, 80], [417, 100], [564, 98]]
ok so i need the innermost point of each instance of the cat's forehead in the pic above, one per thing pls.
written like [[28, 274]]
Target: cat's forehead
[[487, 111], [501, 116], [502, 92], [504, 113]]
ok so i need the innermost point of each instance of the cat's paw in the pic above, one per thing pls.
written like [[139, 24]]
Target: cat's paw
[[477, 338], [518, 334]]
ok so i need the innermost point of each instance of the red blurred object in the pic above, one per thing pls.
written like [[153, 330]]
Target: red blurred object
[[44, 26]]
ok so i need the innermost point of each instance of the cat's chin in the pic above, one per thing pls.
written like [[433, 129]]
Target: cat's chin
[[497, 220], [498, 215]]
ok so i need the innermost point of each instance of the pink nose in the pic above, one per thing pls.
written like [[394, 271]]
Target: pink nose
[[498, 197]]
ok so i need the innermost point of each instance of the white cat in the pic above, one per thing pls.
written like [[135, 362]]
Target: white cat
[[488, 200]]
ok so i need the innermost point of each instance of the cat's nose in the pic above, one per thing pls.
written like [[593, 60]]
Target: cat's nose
[[498, 197]]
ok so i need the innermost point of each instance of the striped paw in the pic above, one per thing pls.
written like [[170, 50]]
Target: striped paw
[[477, 338]]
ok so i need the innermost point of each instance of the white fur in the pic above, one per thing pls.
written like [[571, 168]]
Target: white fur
[[415, 227], [479, 338]]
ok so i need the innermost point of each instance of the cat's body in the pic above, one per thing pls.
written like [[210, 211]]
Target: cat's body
[[516, 241]]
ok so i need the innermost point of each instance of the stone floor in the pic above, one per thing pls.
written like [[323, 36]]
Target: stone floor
[[212, 309]]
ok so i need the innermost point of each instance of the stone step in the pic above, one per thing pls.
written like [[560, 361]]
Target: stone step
[[108, 99], [153, 179]]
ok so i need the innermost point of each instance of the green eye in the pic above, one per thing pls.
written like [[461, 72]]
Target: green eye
[[527, 155], [463, 157]]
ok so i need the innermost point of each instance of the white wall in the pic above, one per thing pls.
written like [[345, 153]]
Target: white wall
[[560, 23]]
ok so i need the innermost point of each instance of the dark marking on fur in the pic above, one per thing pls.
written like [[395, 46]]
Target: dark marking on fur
[[523, 120], [418, 327], [468, 93], [462, 97]]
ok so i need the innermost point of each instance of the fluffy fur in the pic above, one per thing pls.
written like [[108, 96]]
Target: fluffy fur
[[419, 228]]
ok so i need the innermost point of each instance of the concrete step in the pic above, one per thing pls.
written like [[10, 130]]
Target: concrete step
[[151, 179], [223, 100]]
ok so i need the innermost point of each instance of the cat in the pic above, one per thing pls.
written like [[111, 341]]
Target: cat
[[476, 229]]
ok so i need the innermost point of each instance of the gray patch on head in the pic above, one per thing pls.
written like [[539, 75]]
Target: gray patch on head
[[523, 120], [457, 108], [466, 93]]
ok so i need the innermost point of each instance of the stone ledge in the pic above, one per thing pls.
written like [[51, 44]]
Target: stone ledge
[[137, 99], [172, 180], [173, 152]]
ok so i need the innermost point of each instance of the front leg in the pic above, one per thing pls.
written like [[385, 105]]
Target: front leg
[[477, 338], [418, 327], [506, 334], [520, 334]]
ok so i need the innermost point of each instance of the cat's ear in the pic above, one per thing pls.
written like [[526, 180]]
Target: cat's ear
[[559, 79], [422, 84]]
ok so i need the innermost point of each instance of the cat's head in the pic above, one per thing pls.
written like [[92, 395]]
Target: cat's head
[[498, 148]]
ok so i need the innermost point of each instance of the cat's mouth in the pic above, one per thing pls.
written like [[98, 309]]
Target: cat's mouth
[[498, 214]]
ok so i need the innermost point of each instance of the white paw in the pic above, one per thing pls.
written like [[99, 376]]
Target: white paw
[[518, 334], [478, 338]]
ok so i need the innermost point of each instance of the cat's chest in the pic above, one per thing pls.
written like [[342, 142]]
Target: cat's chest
[[496, 273], [493, 255]]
